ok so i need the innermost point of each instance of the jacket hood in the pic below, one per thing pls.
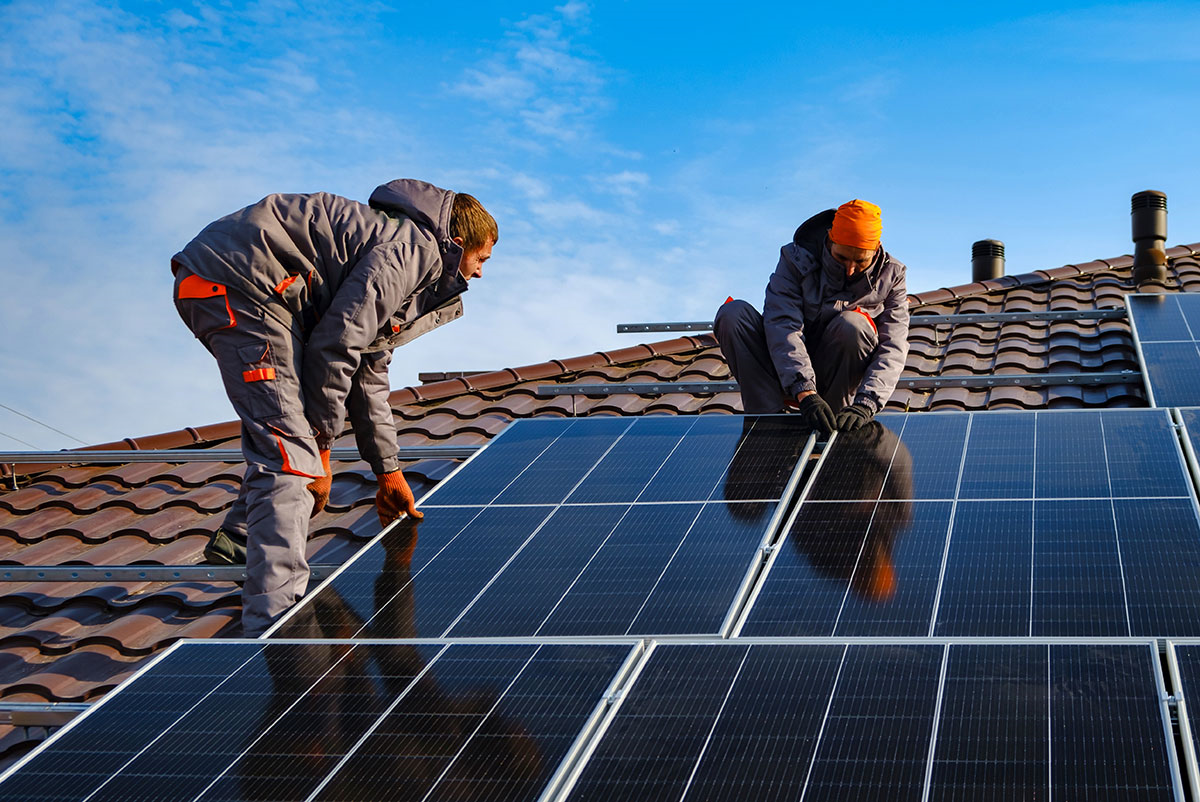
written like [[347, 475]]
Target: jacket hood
[[811, 234], [423, 203]]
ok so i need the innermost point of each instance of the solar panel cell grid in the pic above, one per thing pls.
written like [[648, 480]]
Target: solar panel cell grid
[[667, 553], [1166, 328], [1043, 532]]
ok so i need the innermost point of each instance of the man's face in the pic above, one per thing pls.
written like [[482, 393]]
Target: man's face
[[471, 265], [855, 260]]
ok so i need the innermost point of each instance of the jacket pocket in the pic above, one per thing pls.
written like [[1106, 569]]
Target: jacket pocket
[[297, 450], [203, 305], [258, 387]]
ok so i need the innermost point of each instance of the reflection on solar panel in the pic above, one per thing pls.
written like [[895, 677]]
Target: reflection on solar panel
[[815, 722], [1167, 330], [593, 526], [332, 721], [993, 524]]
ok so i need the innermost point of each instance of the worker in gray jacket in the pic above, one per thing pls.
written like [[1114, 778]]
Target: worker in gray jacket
[[833, 336], [301, 299]]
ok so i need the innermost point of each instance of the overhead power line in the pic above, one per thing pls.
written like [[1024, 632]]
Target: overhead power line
[[39, 423], [19, 440]]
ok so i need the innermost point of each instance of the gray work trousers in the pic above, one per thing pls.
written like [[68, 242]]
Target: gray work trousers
[[259, 359], [840, 355]]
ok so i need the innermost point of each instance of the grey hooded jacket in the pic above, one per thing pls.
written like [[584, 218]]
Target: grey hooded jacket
[[808, 289], [355, 280]]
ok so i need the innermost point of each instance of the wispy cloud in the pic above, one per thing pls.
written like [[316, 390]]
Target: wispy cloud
[[540, 78]]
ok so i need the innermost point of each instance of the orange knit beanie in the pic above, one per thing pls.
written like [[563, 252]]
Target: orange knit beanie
[[857, 224]]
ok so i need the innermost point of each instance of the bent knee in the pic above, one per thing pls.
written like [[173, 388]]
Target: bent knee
[[737, 313]]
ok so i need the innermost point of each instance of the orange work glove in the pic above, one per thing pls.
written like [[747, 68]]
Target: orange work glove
[[395, 498], [320, 487]]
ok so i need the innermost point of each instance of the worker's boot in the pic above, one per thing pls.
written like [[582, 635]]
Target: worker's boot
[[225, 548]]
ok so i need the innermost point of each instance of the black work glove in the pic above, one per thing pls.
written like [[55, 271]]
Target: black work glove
[[816, 413], [853, 417]]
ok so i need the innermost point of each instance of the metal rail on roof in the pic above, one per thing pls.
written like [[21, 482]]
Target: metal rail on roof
[[922, 320], [136, 573], [210, 455], [994, 380], [40, 714]]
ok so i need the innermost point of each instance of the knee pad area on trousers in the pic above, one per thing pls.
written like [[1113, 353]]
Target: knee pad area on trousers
[[737, 314], [850, 333]]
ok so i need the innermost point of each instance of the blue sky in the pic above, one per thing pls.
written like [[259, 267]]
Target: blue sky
[[644, 160]]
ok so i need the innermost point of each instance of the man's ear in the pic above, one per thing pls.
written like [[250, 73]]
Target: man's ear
[[457, 241]]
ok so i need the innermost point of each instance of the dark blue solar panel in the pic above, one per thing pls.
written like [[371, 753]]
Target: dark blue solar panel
[[859, 464], [1143, 454], [875, 742], [895, 582], [695, 592], [1107, 736], [830, 579], [1187, 663], [666, 569], [926, 466], [368, 721], [634, 460], [1173, 370], [999, 458], [1160, 552], [808, 581], [528, 590], [485, 476], [556, 471], [986, 590], [1069, 461], [1078, 587], [993, 740], [720, 722], [695, 469], [1158, 317]]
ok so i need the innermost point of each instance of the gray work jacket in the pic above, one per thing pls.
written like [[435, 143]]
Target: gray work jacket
[[357, 280], [807, 290]]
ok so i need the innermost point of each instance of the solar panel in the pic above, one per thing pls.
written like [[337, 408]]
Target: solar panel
[[1184, 661], [887, 721], [582, 527], [1165, 329], [992, 524], [319, 720]]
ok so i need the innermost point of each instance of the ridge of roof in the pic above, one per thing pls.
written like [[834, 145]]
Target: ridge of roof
[[193, 437], [960, 291]]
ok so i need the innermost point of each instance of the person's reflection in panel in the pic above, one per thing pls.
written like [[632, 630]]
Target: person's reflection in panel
[[358, 689], [871, 464], [750, 478]]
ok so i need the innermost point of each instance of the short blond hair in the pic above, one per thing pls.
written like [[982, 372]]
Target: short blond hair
[[472, 222]]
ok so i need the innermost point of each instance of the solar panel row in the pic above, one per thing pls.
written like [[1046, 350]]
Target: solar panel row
[[998, 524], [322, 720], [577, 527]]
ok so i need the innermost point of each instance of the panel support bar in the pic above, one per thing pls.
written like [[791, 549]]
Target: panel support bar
[[915, 320], [918, 383], [208, 455], [136, 573]]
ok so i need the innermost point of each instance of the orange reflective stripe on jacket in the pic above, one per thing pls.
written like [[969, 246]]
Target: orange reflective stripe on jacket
[[287, 282], [262, 374]]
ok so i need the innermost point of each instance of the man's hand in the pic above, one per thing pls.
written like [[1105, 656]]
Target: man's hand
[[395, 498], [320, 487], [853, 417], [816, 413]]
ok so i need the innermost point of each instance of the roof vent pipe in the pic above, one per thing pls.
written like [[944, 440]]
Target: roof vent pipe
[[987, 259], [1149, 211]]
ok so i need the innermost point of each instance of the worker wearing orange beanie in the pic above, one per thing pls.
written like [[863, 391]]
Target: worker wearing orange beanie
[[833, 336]]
